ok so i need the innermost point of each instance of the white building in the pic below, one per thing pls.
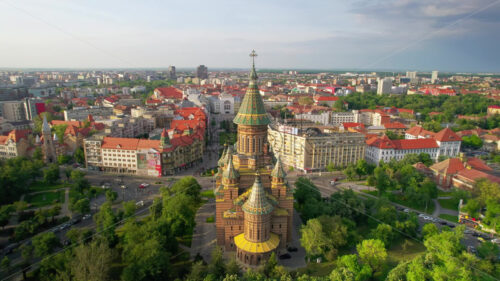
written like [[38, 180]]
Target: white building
[[434, 76], [384, 86], [318, 118], [82, 113], [385, 149], [337, 118]]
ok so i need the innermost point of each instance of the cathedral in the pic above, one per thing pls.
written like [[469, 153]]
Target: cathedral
[[254, 205]]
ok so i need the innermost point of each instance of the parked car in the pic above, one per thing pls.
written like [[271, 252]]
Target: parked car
[[139, 203], [106, 186], [123, 186], [292, 249], [406, 210], [86, 217], [285, 256]]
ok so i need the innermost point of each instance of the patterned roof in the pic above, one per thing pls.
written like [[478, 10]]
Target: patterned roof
[[230, 172], [221, 160], [257, 202], [252, 111], [45, 125], [278, 171], [259, 247]]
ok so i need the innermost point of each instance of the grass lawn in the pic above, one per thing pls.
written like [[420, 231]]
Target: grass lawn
[[398, 253], [442, 193], [207, 194], [41, 186], [449, 217], [45, 198], [211, 219], [448, 204], [371, 192]]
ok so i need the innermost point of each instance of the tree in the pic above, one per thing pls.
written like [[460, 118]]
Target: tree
[[5, 264], [472, 141], [79, 235], [349, 268], [45, 243], [81, 206], [128, 208], [486, 190], [350, 172], [488, 250], [382, 180], [330, 167], [92, 262], [105, 220], [198, 272], [79, 155], [67, 173], [362, 168], [372, 252], [51, 174], [233, 268], [323, 236], [37, 153], [472, 208], [305, 189], [429, 230], [217, 266], [384, 233], [111, 195], [189, 186]]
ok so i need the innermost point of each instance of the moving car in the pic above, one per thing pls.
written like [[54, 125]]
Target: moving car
[[144, 185], [285, 256]]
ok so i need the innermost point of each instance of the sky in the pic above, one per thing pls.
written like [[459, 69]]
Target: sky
[[423, 35]]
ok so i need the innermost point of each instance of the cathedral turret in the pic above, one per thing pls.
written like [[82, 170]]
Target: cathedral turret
[[220, 163], [252, 121], [230, 173], [49, 154], [278, 171], [257, 203]]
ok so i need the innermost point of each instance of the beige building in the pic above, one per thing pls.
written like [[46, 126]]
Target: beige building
[[15, 144], [312, 149]]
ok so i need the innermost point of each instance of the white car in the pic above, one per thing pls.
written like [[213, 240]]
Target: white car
[[123, 186], [140, 203]]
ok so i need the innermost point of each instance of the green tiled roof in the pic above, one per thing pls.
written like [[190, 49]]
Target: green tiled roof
[[252, 111], [257, 202], [222, 157], [278, 170], [230, 172]]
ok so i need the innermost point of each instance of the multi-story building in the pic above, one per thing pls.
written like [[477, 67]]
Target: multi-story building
[[384, 86], [201, 72], [82, 113], [166, 156], [316, 117], [434, 76], [338, 118], [13, 110], [171, 73], [14, 144], [254, 205], [448, 142], [128, 127], [312, 150], [384, 149]]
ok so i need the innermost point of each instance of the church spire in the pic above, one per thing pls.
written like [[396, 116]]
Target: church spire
[[230, 172], [278, 171], [257, 202], [252, 111], [45, 125]]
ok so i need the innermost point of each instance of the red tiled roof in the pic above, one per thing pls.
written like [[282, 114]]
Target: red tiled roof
[[447, 134], [169, 93], [494, 106], [478, 164], [326, 98], [474, 175], [419, 131], [352, 125], [120, 143], [382, 143], [415, 144], [394, 125], [77, 124]]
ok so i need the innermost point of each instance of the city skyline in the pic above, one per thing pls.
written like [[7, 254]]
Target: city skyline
[[455, 36]]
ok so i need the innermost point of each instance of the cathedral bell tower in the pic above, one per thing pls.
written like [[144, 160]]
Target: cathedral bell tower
[[252, 121], [49, 153]]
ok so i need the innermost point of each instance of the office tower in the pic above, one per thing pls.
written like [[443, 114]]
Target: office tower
[[171, 73], [434, 76], [384, 86]]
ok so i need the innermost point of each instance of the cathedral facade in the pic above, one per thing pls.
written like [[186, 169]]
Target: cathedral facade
[[254, 205]]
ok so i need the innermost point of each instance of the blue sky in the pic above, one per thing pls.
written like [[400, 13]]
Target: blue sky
[[447, 35]]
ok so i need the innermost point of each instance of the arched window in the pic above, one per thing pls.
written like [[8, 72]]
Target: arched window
[[227, 106], [247, 145]]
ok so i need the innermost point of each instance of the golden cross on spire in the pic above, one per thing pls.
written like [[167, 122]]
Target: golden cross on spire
[[253, 54]]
